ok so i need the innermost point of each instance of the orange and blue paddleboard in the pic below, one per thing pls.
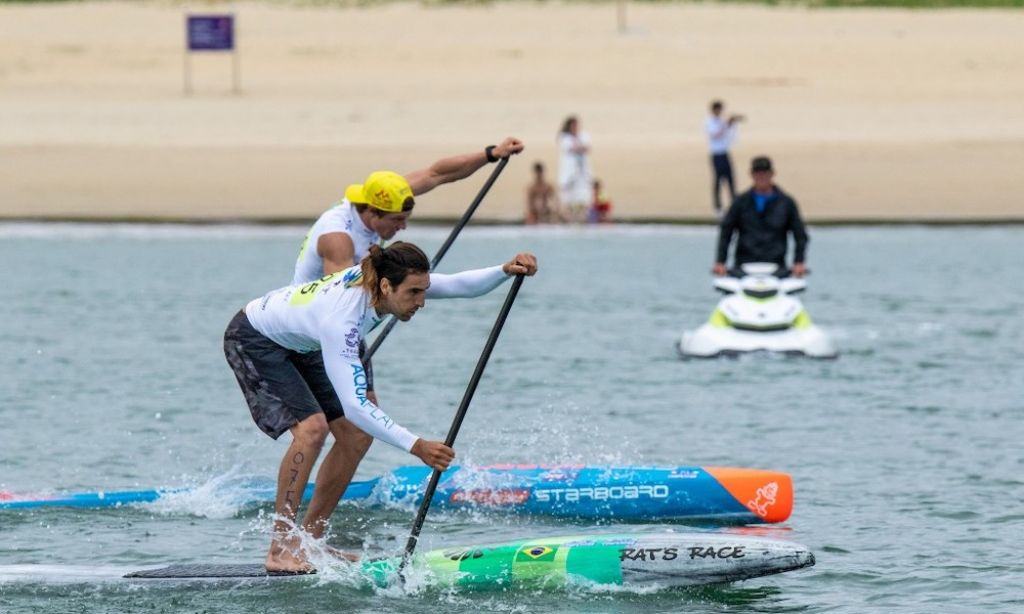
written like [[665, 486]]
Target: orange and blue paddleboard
[[720, 494]]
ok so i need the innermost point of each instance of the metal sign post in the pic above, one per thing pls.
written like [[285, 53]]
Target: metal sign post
[[211, 33]]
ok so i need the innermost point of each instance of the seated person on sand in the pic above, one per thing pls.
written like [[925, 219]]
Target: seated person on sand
[[541, 201]]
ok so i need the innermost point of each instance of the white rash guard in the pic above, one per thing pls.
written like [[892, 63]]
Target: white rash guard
[[334, 314], [341, 218]]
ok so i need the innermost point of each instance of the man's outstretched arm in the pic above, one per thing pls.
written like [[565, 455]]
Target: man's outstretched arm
[[447, 170]]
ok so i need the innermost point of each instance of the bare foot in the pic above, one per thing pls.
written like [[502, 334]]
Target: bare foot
[[283, 558]]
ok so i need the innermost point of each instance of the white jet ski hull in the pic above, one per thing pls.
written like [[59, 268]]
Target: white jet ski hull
[[710, 341]]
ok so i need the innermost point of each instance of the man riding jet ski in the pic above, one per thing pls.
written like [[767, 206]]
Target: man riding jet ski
[[760, 312]]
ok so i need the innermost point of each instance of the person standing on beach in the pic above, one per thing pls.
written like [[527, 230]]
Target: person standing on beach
[[763, 216], [541, 202], [575, 180], [295, 354], [721, 132]]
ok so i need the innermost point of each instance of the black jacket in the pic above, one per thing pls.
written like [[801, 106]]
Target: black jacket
[[763, 236]]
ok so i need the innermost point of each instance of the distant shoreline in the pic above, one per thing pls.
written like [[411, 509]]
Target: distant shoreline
[[870, 116], [438, 221], [814, 4]]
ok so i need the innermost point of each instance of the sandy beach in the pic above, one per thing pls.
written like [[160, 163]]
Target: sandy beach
[[870, 115]]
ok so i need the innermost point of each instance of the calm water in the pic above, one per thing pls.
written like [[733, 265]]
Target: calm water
[[906, 452]]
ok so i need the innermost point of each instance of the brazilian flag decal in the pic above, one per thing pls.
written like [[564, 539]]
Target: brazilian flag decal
[[541, 562], [536, 553]]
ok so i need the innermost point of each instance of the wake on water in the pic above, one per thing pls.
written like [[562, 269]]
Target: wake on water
[[222, 496]]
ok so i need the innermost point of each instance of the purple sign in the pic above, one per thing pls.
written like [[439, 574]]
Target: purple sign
[[211, 32]]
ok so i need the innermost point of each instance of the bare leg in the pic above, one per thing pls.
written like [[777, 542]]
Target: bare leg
[[336, 471], [308, 439]]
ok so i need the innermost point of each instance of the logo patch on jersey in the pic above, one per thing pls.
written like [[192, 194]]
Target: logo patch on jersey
[[359, 382], [352, 338], [353, 276]]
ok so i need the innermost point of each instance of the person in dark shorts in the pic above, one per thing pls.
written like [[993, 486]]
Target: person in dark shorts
[[295, 354], [281, 386]]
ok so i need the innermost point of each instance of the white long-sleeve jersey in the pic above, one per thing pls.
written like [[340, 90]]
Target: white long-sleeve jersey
[[333, 314]]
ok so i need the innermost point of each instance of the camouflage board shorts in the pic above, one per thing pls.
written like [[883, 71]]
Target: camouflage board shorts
[[281, 386]]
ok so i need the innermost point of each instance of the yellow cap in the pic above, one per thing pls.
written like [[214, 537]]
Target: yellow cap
[[382, 190]]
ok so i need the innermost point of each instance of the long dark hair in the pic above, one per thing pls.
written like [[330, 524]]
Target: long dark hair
[[392, 263], [568, 122]]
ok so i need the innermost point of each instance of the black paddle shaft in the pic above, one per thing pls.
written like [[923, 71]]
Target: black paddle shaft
[[370, 351], [453, 432]]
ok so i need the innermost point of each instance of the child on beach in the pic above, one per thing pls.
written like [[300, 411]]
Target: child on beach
[[601, 207]]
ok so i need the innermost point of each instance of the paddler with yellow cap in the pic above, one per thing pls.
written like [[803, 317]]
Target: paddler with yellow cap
[[378, 208]]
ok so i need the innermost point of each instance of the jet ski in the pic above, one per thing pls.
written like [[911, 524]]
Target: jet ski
[[759, 312]]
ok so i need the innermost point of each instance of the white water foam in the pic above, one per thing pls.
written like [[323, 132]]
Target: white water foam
[[222, 496]]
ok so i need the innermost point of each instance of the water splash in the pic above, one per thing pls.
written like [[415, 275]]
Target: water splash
[[222, 496]]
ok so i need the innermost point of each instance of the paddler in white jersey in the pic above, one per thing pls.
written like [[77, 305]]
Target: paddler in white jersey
[[377, 209], [295, 353], [369, 213]]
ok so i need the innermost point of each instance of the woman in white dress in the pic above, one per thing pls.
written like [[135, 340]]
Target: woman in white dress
[[575, 180]]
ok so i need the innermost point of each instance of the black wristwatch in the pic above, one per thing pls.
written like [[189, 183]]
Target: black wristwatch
[[489, 150]]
